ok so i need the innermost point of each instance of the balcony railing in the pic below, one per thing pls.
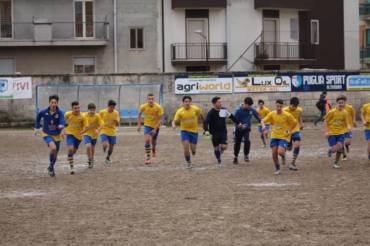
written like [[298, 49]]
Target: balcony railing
[[43, 32], [199, 52], [365, 9], [265, 51], [365, 55]]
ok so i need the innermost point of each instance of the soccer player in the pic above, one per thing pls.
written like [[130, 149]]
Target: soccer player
[[153, 113], [352, 121], [295, 140], [244, 115], [365, 116], [336, 125], [76, 123], [215, 124], [188, 116], [262, 111], [53, 124], [108, 134], [282, 124], [91, 132]]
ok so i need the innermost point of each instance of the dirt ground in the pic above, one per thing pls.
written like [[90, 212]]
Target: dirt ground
[[129, 203]]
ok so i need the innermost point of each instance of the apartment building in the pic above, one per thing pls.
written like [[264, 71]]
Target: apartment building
[[365, 33], [130, 36]]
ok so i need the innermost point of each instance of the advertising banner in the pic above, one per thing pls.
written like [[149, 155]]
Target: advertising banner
[[16, 88], [358, 83], [262, 84], [319, 82], [191, 86]]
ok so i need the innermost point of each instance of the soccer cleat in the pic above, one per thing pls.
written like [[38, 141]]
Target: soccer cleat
[[108, 162], [189, 165], [292, 167], [246, 158], [148, 162], [90, 164], [72, 169], [344, 157], [336, 165], [277, 172], [235, 161], [51, 171]]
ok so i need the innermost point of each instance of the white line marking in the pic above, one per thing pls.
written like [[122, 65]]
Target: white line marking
[[267, 184], [21, 194]]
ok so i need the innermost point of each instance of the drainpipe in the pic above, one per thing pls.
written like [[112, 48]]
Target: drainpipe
[[163, 41], [227, 39], [115, 51]]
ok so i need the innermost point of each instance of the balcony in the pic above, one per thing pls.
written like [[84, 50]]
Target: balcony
[[365, 11], [283, 53], [44, 33], [199, 54], [198, 4], [365, 55], [283, 4]]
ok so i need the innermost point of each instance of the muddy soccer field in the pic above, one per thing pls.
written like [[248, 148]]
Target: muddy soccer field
[[129, 203]]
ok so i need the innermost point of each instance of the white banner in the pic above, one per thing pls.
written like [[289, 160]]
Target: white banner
[[262, 84], [203, 86], [358, 83], [16, 88]]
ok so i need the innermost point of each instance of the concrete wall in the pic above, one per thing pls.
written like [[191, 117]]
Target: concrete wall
[[24, 110], [351, 35]]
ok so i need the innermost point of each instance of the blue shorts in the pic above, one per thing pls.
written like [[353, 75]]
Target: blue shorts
[[73, 141], [268, 127], [112, 140], [89, 140], [148, 130], [274, 142], [348, 135], [50, 139], [334, 139], [367, 135], [191, 137], [296, 136]]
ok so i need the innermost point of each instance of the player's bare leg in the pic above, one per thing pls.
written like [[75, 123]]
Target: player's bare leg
[[296, 150], [275, 159], [71, 151], [109, 153], [281, 153], [186, 146], [337, 149], [90, 154], [345, 150]]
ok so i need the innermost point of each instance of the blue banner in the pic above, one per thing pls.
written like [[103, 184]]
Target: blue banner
[[304, 82]]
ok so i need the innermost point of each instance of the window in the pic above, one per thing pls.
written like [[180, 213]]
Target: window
[[315, 32], [367, 37], [84, 18], [6, 19], [294, 29], [84, 65], [7, 65], [136, 38]]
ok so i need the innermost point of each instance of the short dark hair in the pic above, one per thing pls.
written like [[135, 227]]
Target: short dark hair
[[186, 97], [324, 93], [341, 97], [91, 106], [294, 101], [215, 99], [150, 95], [75, 103], [112, 103], [249, 101], [280, 101], [54, 97], [261, 101]]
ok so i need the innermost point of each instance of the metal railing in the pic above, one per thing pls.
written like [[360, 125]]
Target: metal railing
[[365, 9], [199, 52], [54, 31], [365, 54], [283, 50]]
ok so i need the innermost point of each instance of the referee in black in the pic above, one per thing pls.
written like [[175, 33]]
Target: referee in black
[[215, 124]]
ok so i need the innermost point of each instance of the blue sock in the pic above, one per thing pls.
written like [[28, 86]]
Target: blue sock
[[52, 160], [70, 155], [218, 154], [277, 167], [110, 152], [296, 151], [369, 156], [187, 158]]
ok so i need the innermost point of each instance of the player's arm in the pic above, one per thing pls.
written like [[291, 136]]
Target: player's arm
[[301, 122], [175, 120], [258, 118], [159, 123], [348, 123], [363, 116], [207, 122], [326, 123], [354, 117], [38, 123], [293, 123]]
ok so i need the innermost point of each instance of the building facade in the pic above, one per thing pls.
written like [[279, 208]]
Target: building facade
[[130, 36]]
